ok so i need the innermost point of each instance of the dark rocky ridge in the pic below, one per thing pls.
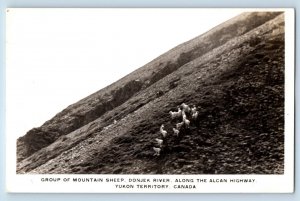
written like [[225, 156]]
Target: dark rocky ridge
[[232, 83]]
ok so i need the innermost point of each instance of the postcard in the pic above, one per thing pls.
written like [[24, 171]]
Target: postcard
[[150, 100]]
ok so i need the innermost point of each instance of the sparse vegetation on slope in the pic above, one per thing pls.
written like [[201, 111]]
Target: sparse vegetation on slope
[[238, 84], [94, 106]]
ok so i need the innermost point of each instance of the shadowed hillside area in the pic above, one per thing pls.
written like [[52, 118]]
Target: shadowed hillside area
[[233, 75]]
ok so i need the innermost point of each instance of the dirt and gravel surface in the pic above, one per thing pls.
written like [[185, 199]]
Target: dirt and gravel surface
[[234, 74]]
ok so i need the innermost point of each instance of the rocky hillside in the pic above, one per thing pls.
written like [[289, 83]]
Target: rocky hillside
[[233, 73]]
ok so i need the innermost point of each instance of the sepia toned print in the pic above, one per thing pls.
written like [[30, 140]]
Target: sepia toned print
[[212, 105]]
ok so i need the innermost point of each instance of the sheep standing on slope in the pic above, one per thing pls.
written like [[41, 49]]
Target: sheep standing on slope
[[185, 108], [179, 125], [183, 115], [159, 142], [194, 109], [162, 131], [157, 151], [195, 115], [186, 122], [177, 114], [176, 132]]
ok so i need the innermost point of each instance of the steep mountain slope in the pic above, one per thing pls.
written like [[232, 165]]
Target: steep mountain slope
[[234, 73], [92, 107]]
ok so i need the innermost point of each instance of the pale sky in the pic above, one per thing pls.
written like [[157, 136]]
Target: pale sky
[[55, 57]]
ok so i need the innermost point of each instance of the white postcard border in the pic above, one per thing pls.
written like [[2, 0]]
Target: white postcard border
[[261, 183]]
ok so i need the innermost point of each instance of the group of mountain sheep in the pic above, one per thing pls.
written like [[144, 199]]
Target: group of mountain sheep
[[181, 113]]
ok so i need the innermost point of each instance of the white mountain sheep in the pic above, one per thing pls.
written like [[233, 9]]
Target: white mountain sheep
[[157, 151], [176, 132], [162, 131], [185, 108], [195, 115], [183, 115], [159, 142], [176, 114], [179, 125], [194, 109], [186, 122]]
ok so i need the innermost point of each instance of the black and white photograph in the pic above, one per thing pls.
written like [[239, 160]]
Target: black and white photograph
[[151, 100]]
